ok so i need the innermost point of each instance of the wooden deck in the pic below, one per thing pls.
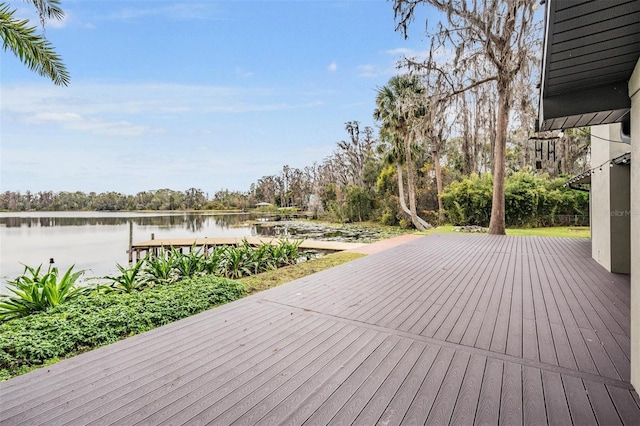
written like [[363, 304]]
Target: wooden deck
[[445, 329]]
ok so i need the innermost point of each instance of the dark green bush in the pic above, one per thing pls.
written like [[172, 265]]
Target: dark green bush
[[530, 200], [468, 201], [90, 321], [358, 204]]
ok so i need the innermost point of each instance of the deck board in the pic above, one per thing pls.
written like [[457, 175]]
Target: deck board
[[555, 399], [601, 404], [464, 411], [488, 412], [394, 413], [626, 405], [511, 404], [533, 405], [254, 408], [445, 329], [429, 389], [380, 400], [579, 405], [359, 399], [444, 404]]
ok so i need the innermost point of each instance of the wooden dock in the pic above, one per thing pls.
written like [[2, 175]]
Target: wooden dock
[[444, 329], [153, 245]]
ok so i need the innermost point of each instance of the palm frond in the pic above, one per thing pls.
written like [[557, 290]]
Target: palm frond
[[47, 9], [33, 49]]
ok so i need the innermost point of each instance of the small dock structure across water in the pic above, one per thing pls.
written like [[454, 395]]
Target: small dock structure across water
[[154, 246]]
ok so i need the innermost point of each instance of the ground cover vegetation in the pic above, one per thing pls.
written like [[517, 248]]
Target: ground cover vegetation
[[48, 316], [100, 318]]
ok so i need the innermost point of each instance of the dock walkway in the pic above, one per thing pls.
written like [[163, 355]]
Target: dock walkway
[[206, 243], [444, 329]]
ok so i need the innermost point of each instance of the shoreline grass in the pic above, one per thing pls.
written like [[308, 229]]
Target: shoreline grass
[[269, 279]]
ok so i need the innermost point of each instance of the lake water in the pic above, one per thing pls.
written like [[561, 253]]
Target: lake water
[[96, 241]]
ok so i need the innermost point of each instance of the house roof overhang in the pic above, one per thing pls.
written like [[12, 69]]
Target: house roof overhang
[[583, 178], [580, 180], [590, 50]]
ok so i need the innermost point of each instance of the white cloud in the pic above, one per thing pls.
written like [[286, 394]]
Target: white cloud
[[396, 66], [74, 121], [179, 11], [30, 14], [250, 107], [333, 66], [138, 99], [69, 19], [372, 71], [128, 110], [59, 117], [241, 72], [58, 23], [408, 52]]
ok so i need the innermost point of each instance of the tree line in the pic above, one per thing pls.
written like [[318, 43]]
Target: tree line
[[162, 199], [361, 180]]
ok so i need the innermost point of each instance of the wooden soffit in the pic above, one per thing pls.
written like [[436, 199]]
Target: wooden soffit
[[591, 48]]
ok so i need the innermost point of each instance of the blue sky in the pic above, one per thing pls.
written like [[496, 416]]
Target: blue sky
[[210, 94]]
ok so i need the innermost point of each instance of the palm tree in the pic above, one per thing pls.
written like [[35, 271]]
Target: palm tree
[[393, 154], [33, 49], [398, 105]]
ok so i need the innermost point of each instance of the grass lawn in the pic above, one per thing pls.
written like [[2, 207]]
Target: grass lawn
[[266, 280], [556, 231]]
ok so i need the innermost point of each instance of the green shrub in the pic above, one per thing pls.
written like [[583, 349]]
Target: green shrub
[[336, 212], [34, 292], [131, 278], [90, 321], [524, 196], [189, 264], [358, 204], [468, 201], [161, 268], [530, 201], [236, 262]]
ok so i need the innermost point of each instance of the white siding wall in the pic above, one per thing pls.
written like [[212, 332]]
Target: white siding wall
[[634, 93], [609, 200]]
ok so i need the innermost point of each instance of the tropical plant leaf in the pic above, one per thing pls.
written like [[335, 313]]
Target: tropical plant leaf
[[33, 49], [33, 292]]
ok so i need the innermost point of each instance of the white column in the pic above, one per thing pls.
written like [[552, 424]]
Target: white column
[[600, 197], [609, 204], [634, 94]]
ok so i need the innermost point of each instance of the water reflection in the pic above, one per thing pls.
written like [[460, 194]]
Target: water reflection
[[193, 222], [94, 241]]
